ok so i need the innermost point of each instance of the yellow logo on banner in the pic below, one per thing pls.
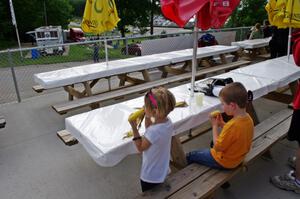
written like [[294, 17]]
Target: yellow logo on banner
[[99, 16]]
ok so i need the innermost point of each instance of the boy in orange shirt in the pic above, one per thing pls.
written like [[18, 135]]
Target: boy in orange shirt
[[233, 142]]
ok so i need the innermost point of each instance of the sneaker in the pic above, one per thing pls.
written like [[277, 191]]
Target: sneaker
[[292, 162], [285, 182]]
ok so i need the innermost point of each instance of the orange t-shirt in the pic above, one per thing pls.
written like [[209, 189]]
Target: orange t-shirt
[[234, 142]]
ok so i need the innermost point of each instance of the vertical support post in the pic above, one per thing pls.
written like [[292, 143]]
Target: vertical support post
[[14, 75], [194, 61], [126, 46], [106, 51]]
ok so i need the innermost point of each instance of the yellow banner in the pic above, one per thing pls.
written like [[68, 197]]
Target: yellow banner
[[99, 16]]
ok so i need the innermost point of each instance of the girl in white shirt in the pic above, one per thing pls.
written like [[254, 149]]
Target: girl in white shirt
[[155, 145]]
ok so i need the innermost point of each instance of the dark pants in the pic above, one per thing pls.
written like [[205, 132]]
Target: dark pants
[[148, 185]]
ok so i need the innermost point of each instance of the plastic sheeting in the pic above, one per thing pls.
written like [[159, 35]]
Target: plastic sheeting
[[79, 74], [253, 43], [101, 131], [279, 70]]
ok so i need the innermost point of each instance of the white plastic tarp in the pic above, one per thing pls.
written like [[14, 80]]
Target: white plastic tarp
[[79, 74], [253, 43], [279, 70]]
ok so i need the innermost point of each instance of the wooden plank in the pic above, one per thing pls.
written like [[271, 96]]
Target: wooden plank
[[263, 143], [38, 88], [66, 137], [272, 121], [176, 181], [139, 89], [279, 97], [206, 184]]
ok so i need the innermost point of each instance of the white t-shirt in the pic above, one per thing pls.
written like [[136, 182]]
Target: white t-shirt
[[156, 158]]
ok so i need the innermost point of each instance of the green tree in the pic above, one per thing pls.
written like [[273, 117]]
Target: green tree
[[31, 14], [248, 13], [133, 12], [78, 6]]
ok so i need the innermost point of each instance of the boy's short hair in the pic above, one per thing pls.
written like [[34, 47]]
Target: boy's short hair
[[235, 92]]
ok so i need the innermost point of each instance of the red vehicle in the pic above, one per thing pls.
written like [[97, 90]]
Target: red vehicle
[[133, 49], [76, 34]]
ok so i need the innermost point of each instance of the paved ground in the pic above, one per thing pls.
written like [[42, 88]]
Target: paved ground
[[35, 164]]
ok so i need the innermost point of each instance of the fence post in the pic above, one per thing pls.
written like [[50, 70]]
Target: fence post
[[126, 45], [14, 75], [106, 51]]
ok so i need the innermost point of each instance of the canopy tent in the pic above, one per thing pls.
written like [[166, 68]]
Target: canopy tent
[[207, 13]]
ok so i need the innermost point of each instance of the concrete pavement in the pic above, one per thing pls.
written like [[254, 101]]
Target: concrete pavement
[[35, 164]]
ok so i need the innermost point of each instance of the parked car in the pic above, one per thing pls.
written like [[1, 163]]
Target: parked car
[[133, 49]]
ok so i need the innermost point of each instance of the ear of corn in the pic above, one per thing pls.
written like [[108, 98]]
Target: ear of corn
[[215, 113], [137, 114], [181, 104]]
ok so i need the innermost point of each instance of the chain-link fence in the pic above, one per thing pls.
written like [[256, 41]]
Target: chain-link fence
[[17, 66]]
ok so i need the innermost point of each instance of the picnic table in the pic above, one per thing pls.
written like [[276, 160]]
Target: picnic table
[[253, 46], [101, 131], [89, 75]]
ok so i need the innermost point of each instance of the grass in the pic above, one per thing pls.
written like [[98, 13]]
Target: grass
[[76, 53]]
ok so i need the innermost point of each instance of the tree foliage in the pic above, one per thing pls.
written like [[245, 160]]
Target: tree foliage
[[248, 13], [30, 15], [136, 13]]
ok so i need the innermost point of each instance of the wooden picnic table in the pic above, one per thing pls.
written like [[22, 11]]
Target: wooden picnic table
[[89, 75], [254, 47], [101, 131]]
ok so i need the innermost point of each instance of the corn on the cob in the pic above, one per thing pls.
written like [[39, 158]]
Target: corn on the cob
[[215, 113], [137, 114]]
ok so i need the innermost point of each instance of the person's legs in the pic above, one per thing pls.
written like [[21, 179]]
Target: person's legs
[[203, 157]]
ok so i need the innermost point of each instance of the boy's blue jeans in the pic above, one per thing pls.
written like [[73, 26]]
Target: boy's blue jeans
[[203, 157]]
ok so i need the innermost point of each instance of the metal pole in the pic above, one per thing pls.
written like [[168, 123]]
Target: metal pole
[[194, 61], [14, 22], [106, 52], [289, 44], [45, 12], [14, 75]]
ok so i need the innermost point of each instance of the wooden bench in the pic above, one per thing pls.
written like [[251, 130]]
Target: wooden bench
[[198, 181], [2, 122], [138, 90], [38, 88]]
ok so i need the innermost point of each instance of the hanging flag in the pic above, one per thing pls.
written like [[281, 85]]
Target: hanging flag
[[12, 12], [99, 16]]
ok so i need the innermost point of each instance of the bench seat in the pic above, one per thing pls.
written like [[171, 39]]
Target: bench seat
[[140, 89], [198, 181]]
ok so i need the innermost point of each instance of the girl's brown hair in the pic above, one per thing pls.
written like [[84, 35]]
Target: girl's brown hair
[[236, 93], [161, 99]]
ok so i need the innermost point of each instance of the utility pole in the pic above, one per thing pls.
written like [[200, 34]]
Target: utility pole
[[151, 17], [14, 22], [45, 12]]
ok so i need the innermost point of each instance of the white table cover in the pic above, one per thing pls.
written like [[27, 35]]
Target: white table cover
[[279, 70], [253, 43], [101, 131], [79, 74]]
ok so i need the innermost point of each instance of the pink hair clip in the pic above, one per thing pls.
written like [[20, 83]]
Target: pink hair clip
[[152, 99]]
